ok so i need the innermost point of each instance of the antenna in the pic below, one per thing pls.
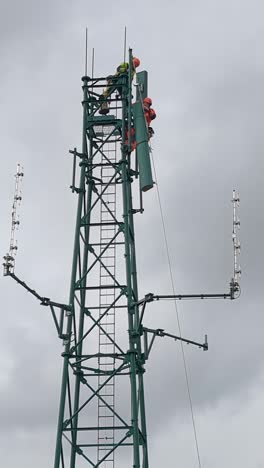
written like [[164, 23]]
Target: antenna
[[125, 38], [236, 242], [93, 63], [86, 51], [9, 258]]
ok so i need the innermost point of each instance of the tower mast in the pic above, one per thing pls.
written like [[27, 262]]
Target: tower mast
[[102, 229]]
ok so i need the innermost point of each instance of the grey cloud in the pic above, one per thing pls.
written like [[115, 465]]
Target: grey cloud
[[205, 77]]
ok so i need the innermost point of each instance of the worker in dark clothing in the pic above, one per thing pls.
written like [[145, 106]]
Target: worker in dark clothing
[[112, 82], [150, 114]]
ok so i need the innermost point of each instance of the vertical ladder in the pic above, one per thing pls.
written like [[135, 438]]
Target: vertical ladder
[[107, 295]]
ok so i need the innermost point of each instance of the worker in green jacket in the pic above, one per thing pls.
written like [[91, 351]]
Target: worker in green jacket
[[112, 82]]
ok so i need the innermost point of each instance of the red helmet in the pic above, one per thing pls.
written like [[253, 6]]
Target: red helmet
[[136, 62], [147, 100]]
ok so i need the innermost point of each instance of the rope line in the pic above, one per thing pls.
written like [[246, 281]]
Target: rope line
[[175, 303]]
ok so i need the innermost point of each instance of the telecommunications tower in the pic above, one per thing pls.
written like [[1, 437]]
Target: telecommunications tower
[[102, 418]]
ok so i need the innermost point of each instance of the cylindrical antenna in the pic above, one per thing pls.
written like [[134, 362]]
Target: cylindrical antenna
[[125, 39], [9, 258], [86, 51]]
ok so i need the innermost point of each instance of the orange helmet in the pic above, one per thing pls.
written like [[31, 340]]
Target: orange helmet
[[136, 62], [147, 100]]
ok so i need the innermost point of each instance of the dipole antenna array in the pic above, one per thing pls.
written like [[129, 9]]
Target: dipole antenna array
[[236, 241], [9, 263]]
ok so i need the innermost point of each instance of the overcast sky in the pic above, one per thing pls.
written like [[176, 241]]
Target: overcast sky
[[206, 75]]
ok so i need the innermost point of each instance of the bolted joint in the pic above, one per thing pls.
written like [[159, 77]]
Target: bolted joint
[[76, 190], [130, 432], [90, 248], [124, 291], [65, 337], [129, 353], [45, 301], [79, 451], [143, 361], [87, 312], [149, 297], [66, 423], [84, 162], [234, 287], [140, 363]]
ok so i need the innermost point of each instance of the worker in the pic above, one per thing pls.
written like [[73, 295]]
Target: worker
[[150, 114], [112, 82]]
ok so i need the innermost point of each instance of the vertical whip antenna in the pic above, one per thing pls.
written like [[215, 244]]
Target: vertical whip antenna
[[236, 242], [125, 40], [93, 63], [86, 52], [9, 263]]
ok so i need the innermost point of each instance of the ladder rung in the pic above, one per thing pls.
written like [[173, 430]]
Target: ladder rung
[[106, 324], [108, 416], [106, 363], [104, 406], [109, 384], [110, 342], [105, 276]]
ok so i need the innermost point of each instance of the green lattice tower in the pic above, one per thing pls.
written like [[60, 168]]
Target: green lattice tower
[[102, 407], [104, 231]]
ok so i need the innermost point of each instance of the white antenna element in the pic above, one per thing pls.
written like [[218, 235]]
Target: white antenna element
[[9, 258], [236, 242]]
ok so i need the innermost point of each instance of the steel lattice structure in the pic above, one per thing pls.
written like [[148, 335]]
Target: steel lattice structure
[[106, 346], [99, 290]]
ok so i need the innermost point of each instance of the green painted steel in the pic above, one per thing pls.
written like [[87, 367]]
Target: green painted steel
[[143, 156], [78, 390], [142, 85]]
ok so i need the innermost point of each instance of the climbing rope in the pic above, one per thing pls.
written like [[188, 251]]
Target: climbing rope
[[175, 302]]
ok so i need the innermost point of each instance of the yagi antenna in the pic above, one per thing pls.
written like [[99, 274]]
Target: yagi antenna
[[236, 242], [9, 263]]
